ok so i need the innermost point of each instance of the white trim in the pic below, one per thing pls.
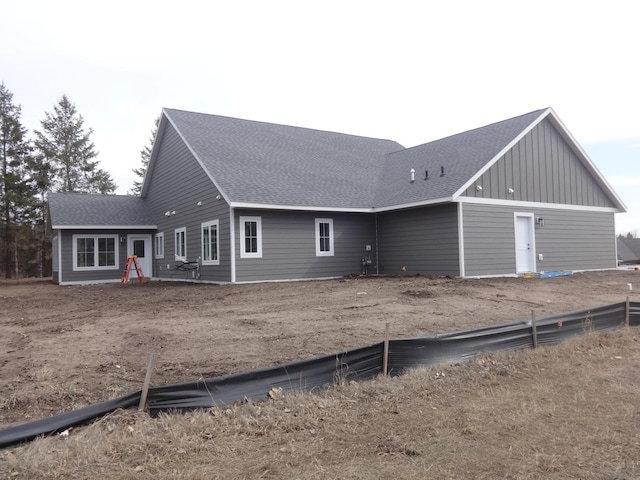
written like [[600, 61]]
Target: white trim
[[258, 252], [208, 225], [145, 263], [461, 240], [91, 282], [232, 242], [165, 114], [319, 251], [307, 208], [95, 238], [502, 152], [519, 204], [177, 257], [156, 237], [104, 227], [531, 217]]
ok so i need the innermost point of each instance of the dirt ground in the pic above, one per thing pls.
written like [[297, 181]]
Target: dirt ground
[[66, 347]]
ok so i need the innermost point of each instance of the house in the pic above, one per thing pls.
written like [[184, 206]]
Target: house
[[628, 251], [230, 200]]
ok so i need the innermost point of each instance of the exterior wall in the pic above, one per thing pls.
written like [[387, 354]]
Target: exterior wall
[[65, 240], [569, 239], [423, 240], [542, 167], [178, 184], [289, 246]]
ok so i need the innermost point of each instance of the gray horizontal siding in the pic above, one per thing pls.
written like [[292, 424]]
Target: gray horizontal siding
[[542, 167], [289, 246], [569, 240], [178, 183], [421, 240], [65, 238]]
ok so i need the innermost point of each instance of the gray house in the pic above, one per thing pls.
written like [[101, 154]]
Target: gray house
[[230, 200], [628, 251]]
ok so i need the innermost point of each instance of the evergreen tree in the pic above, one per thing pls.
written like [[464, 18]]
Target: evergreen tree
[[66, 153], [145, 156], [16, 185]]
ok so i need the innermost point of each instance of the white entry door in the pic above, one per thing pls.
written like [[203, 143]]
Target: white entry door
[[140, 245], [525, 246]]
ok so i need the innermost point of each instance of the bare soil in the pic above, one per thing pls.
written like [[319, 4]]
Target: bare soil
[[66, 347]]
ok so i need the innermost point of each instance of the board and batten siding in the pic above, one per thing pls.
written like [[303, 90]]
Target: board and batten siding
[[421, 240], [289, 246], [180, 185], [541, 167], [569, 239]]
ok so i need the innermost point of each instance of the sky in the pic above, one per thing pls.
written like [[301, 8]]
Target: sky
[[409, 71]]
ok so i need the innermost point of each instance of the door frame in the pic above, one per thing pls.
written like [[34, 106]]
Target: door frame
[[147, 267], [531, 240]]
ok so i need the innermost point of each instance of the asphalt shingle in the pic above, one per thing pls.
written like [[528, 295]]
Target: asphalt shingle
[[87, 210]]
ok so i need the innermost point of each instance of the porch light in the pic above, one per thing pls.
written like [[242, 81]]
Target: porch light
[[540, 221]]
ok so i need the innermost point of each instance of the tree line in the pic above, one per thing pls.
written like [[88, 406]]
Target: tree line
[[59, 157]]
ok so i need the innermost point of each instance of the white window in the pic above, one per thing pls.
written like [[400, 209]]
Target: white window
[[159, 245], [95, 252], [210, 247], [181, 243], [324, 237], [250, 237]]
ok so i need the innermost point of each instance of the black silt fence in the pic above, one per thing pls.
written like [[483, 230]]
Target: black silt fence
[[357, 364]]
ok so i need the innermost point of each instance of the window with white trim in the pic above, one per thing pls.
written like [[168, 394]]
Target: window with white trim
[[180, 240], [324, 237], [210, 247], [250, 237], [159, 244], [95, 252]]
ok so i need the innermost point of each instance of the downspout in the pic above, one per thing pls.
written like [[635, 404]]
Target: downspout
[[232, 234], [59, 257]]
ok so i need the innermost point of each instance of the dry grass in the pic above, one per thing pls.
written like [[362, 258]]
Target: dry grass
[[565, 412]]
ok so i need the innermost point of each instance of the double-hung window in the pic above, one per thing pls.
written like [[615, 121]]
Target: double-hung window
[[159, 245], [210, 247], [95, 252], [250, 237], [181, 244], [324, 237]]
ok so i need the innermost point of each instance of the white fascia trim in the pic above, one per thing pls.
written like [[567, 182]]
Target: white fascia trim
[[423, 203], [590, 165], [518, 204], [502, 152], [104, 227], [195, 155], [305, 208]]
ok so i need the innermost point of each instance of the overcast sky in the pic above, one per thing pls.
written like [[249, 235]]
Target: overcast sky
[[408, 71]]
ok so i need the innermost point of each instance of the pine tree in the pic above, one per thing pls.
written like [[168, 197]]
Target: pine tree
[[16, 184], [145, 156], [66, 150]]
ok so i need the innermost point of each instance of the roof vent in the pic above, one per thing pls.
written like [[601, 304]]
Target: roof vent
[[442, 171], [413, 175]]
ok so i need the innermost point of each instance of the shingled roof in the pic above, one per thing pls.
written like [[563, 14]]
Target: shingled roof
[[81, 210], [258, 164]]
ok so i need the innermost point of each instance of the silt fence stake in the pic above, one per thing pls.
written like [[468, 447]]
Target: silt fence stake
[[385, 353], [145, 386], [534, 329]]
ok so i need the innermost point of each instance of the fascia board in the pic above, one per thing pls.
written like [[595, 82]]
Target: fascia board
[[195, 155], [104, 227], [587, 161], [502, 152], [154, 153], [519, 204]]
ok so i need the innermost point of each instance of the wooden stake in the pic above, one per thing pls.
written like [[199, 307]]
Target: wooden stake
[[385, 354], [534, 329], [147, 381], [626, 313]]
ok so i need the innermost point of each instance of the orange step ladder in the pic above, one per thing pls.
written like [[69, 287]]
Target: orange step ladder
[[132, 261]]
